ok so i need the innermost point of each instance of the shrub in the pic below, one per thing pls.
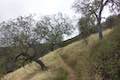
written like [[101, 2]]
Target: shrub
[[106, 56]]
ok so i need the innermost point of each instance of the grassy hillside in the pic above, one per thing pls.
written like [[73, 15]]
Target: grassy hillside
[[87, 61], [8, 54]]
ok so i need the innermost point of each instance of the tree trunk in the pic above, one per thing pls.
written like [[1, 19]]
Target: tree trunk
[[43, 67], [100, 30]]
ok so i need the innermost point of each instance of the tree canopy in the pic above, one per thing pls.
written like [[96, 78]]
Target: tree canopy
[[95, 8], [24, 33]]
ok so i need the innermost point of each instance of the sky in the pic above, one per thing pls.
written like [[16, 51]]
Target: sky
[[10, 9], [14, 8]]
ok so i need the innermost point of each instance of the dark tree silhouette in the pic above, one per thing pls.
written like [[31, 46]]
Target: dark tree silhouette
[[30, 59]]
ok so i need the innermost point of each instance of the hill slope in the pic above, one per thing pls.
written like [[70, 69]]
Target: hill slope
[[76, 60]]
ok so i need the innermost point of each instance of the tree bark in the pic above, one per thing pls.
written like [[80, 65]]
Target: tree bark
[[100, 29], [100, 32], [43, 67]]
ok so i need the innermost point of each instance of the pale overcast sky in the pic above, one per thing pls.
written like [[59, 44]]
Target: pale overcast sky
[[10, 9], [14, 8]]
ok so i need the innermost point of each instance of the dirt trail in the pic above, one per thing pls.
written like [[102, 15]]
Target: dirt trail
[[71, 72]]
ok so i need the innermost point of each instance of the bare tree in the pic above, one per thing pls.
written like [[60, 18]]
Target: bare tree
[[95, 8]]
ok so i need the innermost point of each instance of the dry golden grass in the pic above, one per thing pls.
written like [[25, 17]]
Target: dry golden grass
[[75, 55]]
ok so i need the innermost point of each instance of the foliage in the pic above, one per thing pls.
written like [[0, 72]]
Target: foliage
[[86, 26], [112, 20], [78, 56], [105, 56], [55, 27], [95, 8], [25, 35]]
